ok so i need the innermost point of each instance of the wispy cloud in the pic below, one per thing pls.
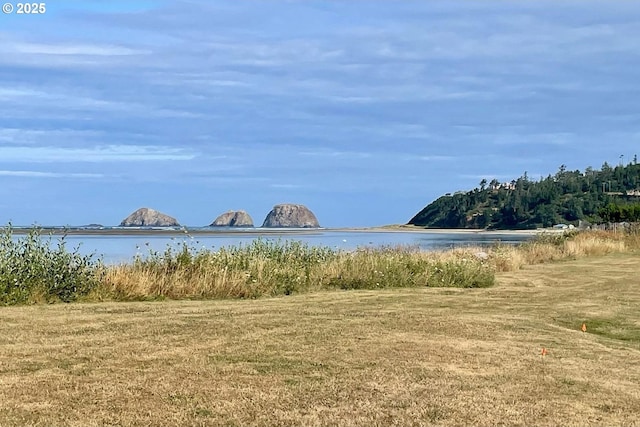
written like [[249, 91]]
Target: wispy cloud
[[50, 102], [109, 153], [429, 158], [23, 136], [38, 174], [286, 186], [68, 49], [339, 154], [536, 138], [488, 176]]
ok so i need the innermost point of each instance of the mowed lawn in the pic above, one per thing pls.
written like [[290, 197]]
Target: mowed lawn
[[390, 357]]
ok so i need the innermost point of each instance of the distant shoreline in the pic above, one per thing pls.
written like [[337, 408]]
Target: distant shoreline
[[172, 231], [168, 231], [413, 229]]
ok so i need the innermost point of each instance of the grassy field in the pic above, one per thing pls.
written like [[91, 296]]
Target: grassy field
[[400, 356]]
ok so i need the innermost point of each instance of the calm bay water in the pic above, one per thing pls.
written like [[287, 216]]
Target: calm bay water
[[122, 248]]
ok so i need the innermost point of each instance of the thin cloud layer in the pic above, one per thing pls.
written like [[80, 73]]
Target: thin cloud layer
[[351, 107], [38, 174], [111, 153]]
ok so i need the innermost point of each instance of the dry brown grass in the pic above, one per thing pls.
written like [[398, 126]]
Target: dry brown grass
[[388, 357], [555, 247], [277, 269], [126, 282], [290, 268]]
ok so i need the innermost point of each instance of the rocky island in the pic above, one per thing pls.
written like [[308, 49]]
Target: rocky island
[[291, 216], [145, 217], [233, 219]]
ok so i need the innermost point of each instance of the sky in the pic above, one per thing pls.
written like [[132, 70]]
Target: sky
[[364, 111]]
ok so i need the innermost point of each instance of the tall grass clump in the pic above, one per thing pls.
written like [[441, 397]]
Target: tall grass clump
[[36, 269], [261, 268], [271, 268], [462, 268], [549, 247], [632, 236], [386, 267]]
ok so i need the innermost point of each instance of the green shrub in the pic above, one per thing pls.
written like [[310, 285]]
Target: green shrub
[[33, 268]]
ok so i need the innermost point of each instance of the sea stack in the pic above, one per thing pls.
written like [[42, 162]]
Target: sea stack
[[233, 219], [145, 217], [291, 216]]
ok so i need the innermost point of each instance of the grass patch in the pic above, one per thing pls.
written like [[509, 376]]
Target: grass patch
[[615, 328], [393, 356]]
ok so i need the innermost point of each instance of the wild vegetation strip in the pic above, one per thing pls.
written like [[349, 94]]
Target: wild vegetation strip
[[35, 269], [396, 356]]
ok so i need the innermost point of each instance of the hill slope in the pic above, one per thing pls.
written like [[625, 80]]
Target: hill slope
[[608, 194]]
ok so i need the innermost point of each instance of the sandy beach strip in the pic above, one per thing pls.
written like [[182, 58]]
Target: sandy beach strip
[[258, 231], [412, 229]]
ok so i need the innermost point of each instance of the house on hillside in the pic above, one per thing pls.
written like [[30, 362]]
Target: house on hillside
[[495, 185]]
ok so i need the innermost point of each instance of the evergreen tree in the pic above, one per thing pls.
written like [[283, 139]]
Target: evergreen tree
[[568, 196]]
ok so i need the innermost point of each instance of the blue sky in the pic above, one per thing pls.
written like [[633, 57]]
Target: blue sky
[[365, 111]]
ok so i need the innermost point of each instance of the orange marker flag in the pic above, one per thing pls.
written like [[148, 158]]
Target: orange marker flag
[[544, 351], [584, 327]]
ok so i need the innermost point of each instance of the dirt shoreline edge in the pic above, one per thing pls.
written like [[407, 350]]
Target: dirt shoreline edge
[[258, 231]]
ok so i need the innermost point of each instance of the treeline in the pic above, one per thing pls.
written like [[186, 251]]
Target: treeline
[[620, 213], [608, 194]]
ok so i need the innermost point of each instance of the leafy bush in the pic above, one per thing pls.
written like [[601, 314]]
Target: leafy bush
[[33, 268]]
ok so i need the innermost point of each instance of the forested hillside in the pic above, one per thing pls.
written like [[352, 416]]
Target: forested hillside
[[608, 194]]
